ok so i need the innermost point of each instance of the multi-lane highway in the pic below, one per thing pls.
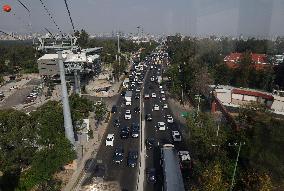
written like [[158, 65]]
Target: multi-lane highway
[[122, 173]]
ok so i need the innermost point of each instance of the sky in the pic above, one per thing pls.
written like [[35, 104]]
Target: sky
[[259, 18]]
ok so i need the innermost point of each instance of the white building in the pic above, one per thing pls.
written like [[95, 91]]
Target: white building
[[235, 97]]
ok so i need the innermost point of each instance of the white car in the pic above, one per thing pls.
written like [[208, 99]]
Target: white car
[[165, 106], [162, 92], [176, 136], [170, 119], [156, 107], [161, 126], [163, 97], [128, 103], [161, 87], [146, 96], [109, 140], [127, 114], [154, 95], [152, 79]]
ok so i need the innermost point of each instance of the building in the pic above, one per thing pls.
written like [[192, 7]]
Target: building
[[85, 61], [235, 97], [260, 61]]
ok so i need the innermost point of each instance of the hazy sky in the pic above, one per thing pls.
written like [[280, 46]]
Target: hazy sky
[[198, 17]]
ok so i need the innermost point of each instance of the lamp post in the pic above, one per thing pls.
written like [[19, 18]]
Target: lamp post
[[236, 164]]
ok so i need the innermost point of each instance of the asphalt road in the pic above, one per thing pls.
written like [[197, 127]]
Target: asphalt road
[[161, 137], [126, 176]]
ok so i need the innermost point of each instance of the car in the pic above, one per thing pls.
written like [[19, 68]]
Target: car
[[137, 96], [162, 92], [109, 140], [165, 106], [176, 136], [114, 109], [118, 155], [151, 175], [132, 158], [138, 90], [135, 130], [154, 95], [152, 79], [140, 82], [169, 118], [116, 123], [161, 87], [185, 160], [161, 126], [149, 143], [156, 107], [124, 133], [137, 109], [146, 96], [163, 97], [148, 117], [127, 115]]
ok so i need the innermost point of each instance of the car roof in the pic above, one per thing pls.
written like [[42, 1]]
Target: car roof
[[160, 122], [110, 135]]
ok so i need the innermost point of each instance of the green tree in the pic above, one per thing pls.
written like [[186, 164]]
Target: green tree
[[212, 178], [244, 70], [83, 39], [100, 111], [80, 107]]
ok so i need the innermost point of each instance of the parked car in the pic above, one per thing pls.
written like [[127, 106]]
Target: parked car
[[154, 95]]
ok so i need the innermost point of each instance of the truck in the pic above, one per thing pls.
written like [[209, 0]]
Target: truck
[[128, 97], [171, 169]]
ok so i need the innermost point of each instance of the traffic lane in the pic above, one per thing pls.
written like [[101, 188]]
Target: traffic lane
[[105, 153], [128, 176], [161, 137]]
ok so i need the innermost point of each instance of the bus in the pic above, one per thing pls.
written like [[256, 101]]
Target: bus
[[173, 180]]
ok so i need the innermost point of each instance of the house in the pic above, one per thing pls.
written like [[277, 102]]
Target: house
[[259, 61]]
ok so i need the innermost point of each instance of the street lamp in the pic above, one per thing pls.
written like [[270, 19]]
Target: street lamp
[[236, 163]]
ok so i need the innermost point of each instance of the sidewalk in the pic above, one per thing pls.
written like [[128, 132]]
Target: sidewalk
[[91, 149]]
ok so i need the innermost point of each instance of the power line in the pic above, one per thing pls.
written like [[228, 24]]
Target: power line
[[52, 19], [24, 6], [69, 15], [10, 35]]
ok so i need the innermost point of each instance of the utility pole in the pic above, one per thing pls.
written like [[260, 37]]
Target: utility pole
[[236, 164], [198, 97]]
